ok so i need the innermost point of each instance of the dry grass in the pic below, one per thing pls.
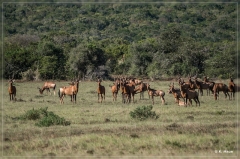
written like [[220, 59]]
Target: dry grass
[[106, 129]]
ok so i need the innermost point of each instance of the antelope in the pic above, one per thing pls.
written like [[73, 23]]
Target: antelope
[[137, 81], [142, 87], [211, 85], [71, 90], [201, 86], [47, 86], [100, 91], [220, 87], [205, 79], [153, 92], [189, 94], [176, 93], [231, 88], [187, 85], [114, 89], [127, 91], [12, 90]]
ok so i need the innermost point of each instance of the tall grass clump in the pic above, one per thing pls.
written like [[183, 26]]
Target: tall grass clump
[[143, 112], [45, 118]]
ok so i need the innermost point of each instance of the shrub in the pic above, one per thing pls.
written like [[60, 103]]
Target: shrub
[[45, 117], [143, 113], [51, 119], [31, 115]]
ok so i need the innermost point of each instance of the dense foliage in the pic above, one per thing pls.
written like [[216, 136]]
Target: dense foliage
[[140, 39], [143, 113], [44, 118]]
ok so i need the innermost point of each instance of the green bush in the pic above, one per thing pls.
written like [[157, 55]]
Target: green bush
[[51, 119], [31, 115], [44, 117], [143, 113]]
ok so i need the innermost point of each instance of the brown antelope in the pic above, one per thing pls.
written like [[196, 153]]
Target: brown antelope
[[205, 79], [114, 88], [187, 85], [153, 92], [127, 91], [71, 90], [47, 86], [211, 85], [137, 81], [189, 94], [12, 90], [202, 85], [141, 88], [220, 87], [176, 93], [126, 95], [231, 88], [100, 90]]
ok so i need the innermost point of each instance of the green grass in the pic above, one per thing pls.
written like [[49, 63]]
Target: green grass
[[107, 129]]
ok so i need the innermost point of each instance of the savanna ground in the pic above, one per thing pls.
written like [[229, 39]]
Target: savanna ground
[[106, 130]]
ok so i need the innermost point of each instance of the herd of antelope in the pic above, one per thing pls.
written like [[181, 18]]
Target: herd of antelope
[[129, 87]]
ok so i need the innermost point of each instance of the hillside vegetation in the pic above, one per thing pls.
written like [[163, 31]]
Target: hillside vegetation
[[66, 40]]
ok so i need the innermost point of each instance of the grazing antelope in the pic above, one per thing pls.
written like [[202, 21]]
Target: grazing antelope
[[47, 86], [231, 88], [153, 92], [100, 91], [12, 90], [189, 94], [114, 88], [220, 87], [71, 90]]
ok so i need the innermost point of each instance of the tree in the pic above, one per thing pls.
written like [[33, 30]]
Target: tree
[[52, 60], [85, 59]]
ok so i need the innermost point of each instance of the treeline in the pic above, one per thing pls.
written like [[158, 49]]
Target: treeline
[[66, 40]]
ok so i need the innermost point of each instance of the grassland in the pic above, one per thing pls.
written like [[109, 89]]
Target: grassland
[[106, 130]]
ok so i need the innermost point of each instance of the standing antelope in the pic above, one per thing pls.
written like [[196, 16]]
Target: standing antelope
[[189, 94], [142, 87], [176, 94], [127, 91], [126, 96], [153, 92], [220, 87], [231, 88], [47, 86], [71, 90], [100, 91], [114, 89], [202, 85], [12, 90]]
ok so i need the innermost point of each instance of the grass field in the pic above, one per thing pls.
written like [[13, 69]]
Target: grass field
[[106, 130]]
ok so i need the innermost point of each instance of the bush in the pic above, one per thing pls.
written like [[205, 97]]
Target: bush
[[143, 113], [51, 119], [31, 115], [45, 118]]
